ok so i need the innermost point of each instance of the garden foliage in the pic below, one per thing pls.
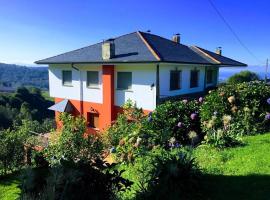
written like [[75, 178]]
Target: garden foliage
[[71, 143], [243, 76]]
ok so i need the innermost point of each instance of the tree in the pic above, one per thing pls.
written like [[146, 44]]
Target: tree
[[243, 76]]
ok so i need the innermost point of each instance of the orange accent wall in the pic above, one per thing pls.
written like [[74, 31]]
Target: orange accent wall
[[108, 95], [87, 106]]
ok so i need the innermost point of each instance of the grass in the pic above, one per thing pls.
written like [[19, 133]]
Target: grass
[[236, 173], [9, 189]]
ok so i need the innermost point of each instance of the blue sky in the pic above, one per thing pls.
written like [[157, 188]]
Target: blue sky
[[35, 29]]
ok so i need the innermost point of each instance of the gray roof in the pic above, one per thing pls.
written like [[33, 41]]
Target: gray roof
[[143, 47]]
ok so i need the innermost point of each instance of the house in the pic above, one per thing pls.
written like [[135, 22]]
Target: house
[[95, 81]]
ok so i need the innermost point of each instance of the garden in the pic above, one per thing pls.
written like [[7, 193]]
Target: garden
[[212, 147]]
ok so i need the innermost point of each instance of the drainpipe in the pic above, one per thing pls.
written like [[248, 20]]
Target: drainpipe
[[205, 72], [157, 85], [81, 88]]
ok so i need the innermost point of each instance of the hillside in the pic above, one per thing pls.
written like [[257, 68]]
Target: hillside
[[13, 76]]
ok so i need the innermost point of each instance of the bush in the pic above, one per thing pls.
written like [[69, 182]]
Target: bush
[[243, 76], [71, 180], [180, 119], [11, 151], [247, 104], [130, 135], [171, 124], [161, 174], [71, 143]]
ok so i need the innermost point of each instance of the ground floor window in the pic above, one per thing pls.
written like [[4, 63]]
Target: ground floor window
[[175, 80], [92, 120], [209, 76], [194, 78]]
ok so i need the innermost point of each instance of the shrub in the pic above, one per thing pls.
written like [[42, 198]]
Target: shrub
[[246, 103], [180, 119], [11, 151], [71, 143], [243, 76], [161, 174], [71, 180], [130, 135]]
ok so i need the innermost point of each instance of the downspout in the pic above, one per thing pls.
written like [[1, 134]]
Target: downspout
[[81, 88], [157, 85], [205, 72]]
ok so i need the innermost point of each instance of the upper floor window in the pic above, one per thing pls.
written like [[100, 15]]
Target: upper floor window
[[92, 79], [124, 80], [175, 80], [194, 78], [209, 76], [67, 77]]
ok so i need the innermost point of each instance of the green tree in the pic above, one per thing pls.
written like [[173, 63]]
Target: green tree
[[243, 76]]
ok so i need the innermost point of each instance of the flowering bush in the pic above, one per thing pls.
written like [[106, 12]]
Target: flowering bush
[[171, 125], [180, 119], [248, 105], [226, 136], [71, 143], [130, 135]]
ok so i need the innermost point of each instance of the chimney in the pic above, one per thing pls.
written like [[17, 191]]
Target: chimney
[[108, 49], [219, 51], [176, 38]]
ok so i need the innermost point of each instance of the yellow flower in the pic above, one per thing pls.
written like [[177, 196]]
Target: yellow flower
[[210, 124], [246, 109], [234, 109], [231, 99], [192, 134], [226, 119]]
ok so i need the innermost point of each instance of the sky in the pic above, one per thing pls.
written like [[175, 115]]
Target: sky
[[31, 30]]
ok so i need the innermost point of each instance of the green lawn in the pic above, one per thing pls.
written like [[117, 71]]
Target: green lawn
[[236, 173], [9, 188]]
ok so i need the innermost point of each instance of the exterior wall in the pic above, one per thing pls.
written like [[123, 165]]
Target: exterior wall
[[58, 90], [164, 72], [143, 76], [102, 99], [106, 99]]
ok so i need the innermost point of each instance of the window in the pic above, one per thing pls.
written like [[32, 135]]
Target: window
[[175, 80], [92, 79], [194, 78], [67, 78], [92, 120], [209, 76], [124, 80]]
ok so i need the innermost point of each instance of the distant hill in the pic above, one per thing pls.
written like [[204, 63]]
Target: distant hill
[[13, 76]]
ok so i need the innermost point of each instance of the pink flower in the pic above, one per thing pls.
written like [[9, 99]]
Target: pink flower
[[185, 101], [180, 124], [200, 99], [193, 116]]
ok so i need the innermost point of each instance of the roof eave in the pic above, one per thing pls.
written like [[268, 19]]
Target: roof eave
[[121, 62]]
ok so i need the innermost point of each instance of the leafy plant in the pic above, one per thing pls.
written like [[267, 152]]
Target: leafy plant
[[71, 180], [72, 143], [243, 76]]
